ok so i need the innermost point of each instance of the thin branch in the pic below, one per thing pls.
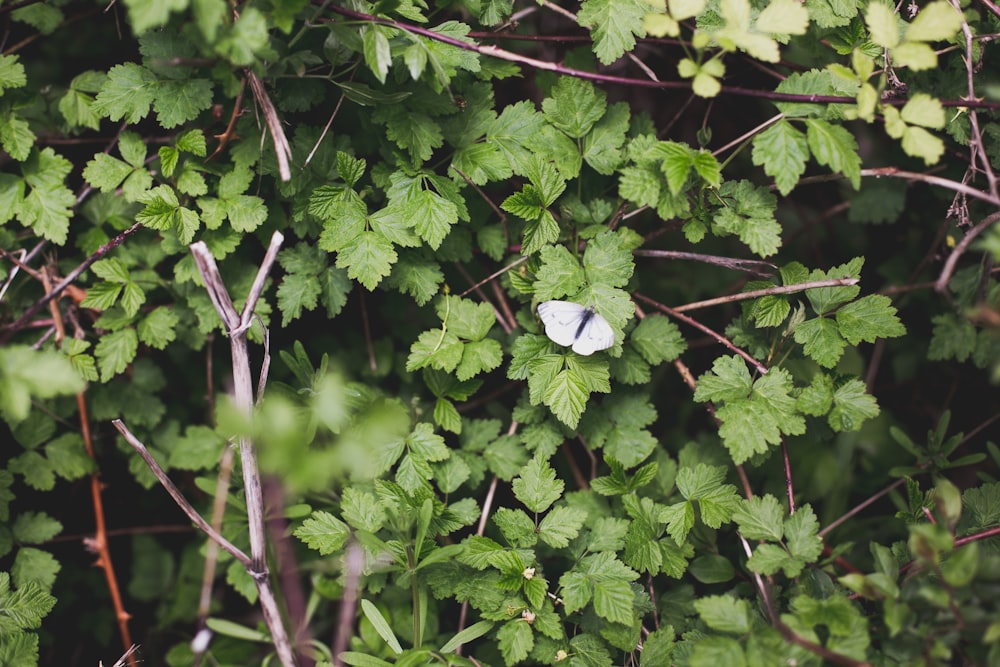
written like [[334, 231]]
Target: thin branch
[[753, 266], [857, 508], [33, 309], [282, 149], [893, 172], [175, 493], [789, 487], [544, 65], [517, 262], [768, 291], [237, 326], [719, 338], [941, 285]]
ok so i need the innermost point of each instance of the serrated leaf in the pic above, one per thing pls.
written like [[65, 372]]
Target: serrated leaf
[[323, 532], [883, 25], [821, 340], [936, 21], [115, 352], [835, 147], [724, 613], [574, 106], [852, 406], [614, 24], [782, 150], [760, 518], [536, 486], [561, 525], [128, 93], [868, 319], [368, 258]]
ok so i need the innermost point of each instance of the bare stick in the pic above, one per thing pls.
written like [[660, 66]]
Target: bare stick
[[281, 146], [768, 291], [753, 266], [949, 266], [237, 325], [175, 493]]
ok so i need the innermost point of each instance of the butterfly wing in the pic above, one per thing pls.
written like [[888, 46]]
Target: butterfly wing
[[562, 320], [596, 335]]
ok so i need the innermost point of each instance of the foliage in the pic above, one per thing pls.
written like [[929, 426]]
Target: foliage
[[445, 484]]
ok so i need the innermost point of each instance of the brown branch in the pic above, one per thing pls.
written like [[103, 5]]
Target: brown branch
[[178, 497], [534, 63], [99, 543], [893, 172], [719, 338], [33, 309], [753, 266], [768, 291], [941, 285]]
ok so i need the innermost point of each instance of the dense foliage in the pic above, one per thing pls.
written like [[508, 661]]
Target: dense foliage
[[784, 211]]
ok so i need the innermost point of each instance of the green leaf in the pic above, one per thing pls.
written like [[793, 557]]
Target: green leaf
[[608, 261], [614, 24], [868, 319], [24, 608], [852, 406], [760, 518], [574, 106], [782, 150], [821, 340], [802, 534], [749, 213], [953, 337], [724, 613], [536, 486], [35, 528], [936, 21], [11, 73], [368, 258], [469, 634], [158, 328], [561, 525], [558, 275], [115, 352], [515, 640], [323, 532], [657, 339], [128, 93], [835, 147], [882, 24], [381, 626], [16, 136], [27, 374], [754, 414]]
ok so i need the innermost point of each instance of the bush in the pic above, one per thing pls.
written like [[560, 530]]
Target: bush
[[482, 334]]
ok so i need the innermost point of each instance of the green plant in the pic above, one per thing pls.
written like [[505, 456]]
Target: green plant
[[366, 202]]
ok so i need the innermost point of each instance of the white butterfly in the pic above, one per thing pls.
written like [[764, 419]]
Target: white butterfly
[[570, 324]]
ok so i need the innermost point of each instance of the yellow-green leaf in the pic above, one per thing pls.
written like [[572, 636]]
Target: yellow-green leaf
[[937, 21], [915, 55], [918, 142], [783, 17], [924, 110], [882, 25]]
